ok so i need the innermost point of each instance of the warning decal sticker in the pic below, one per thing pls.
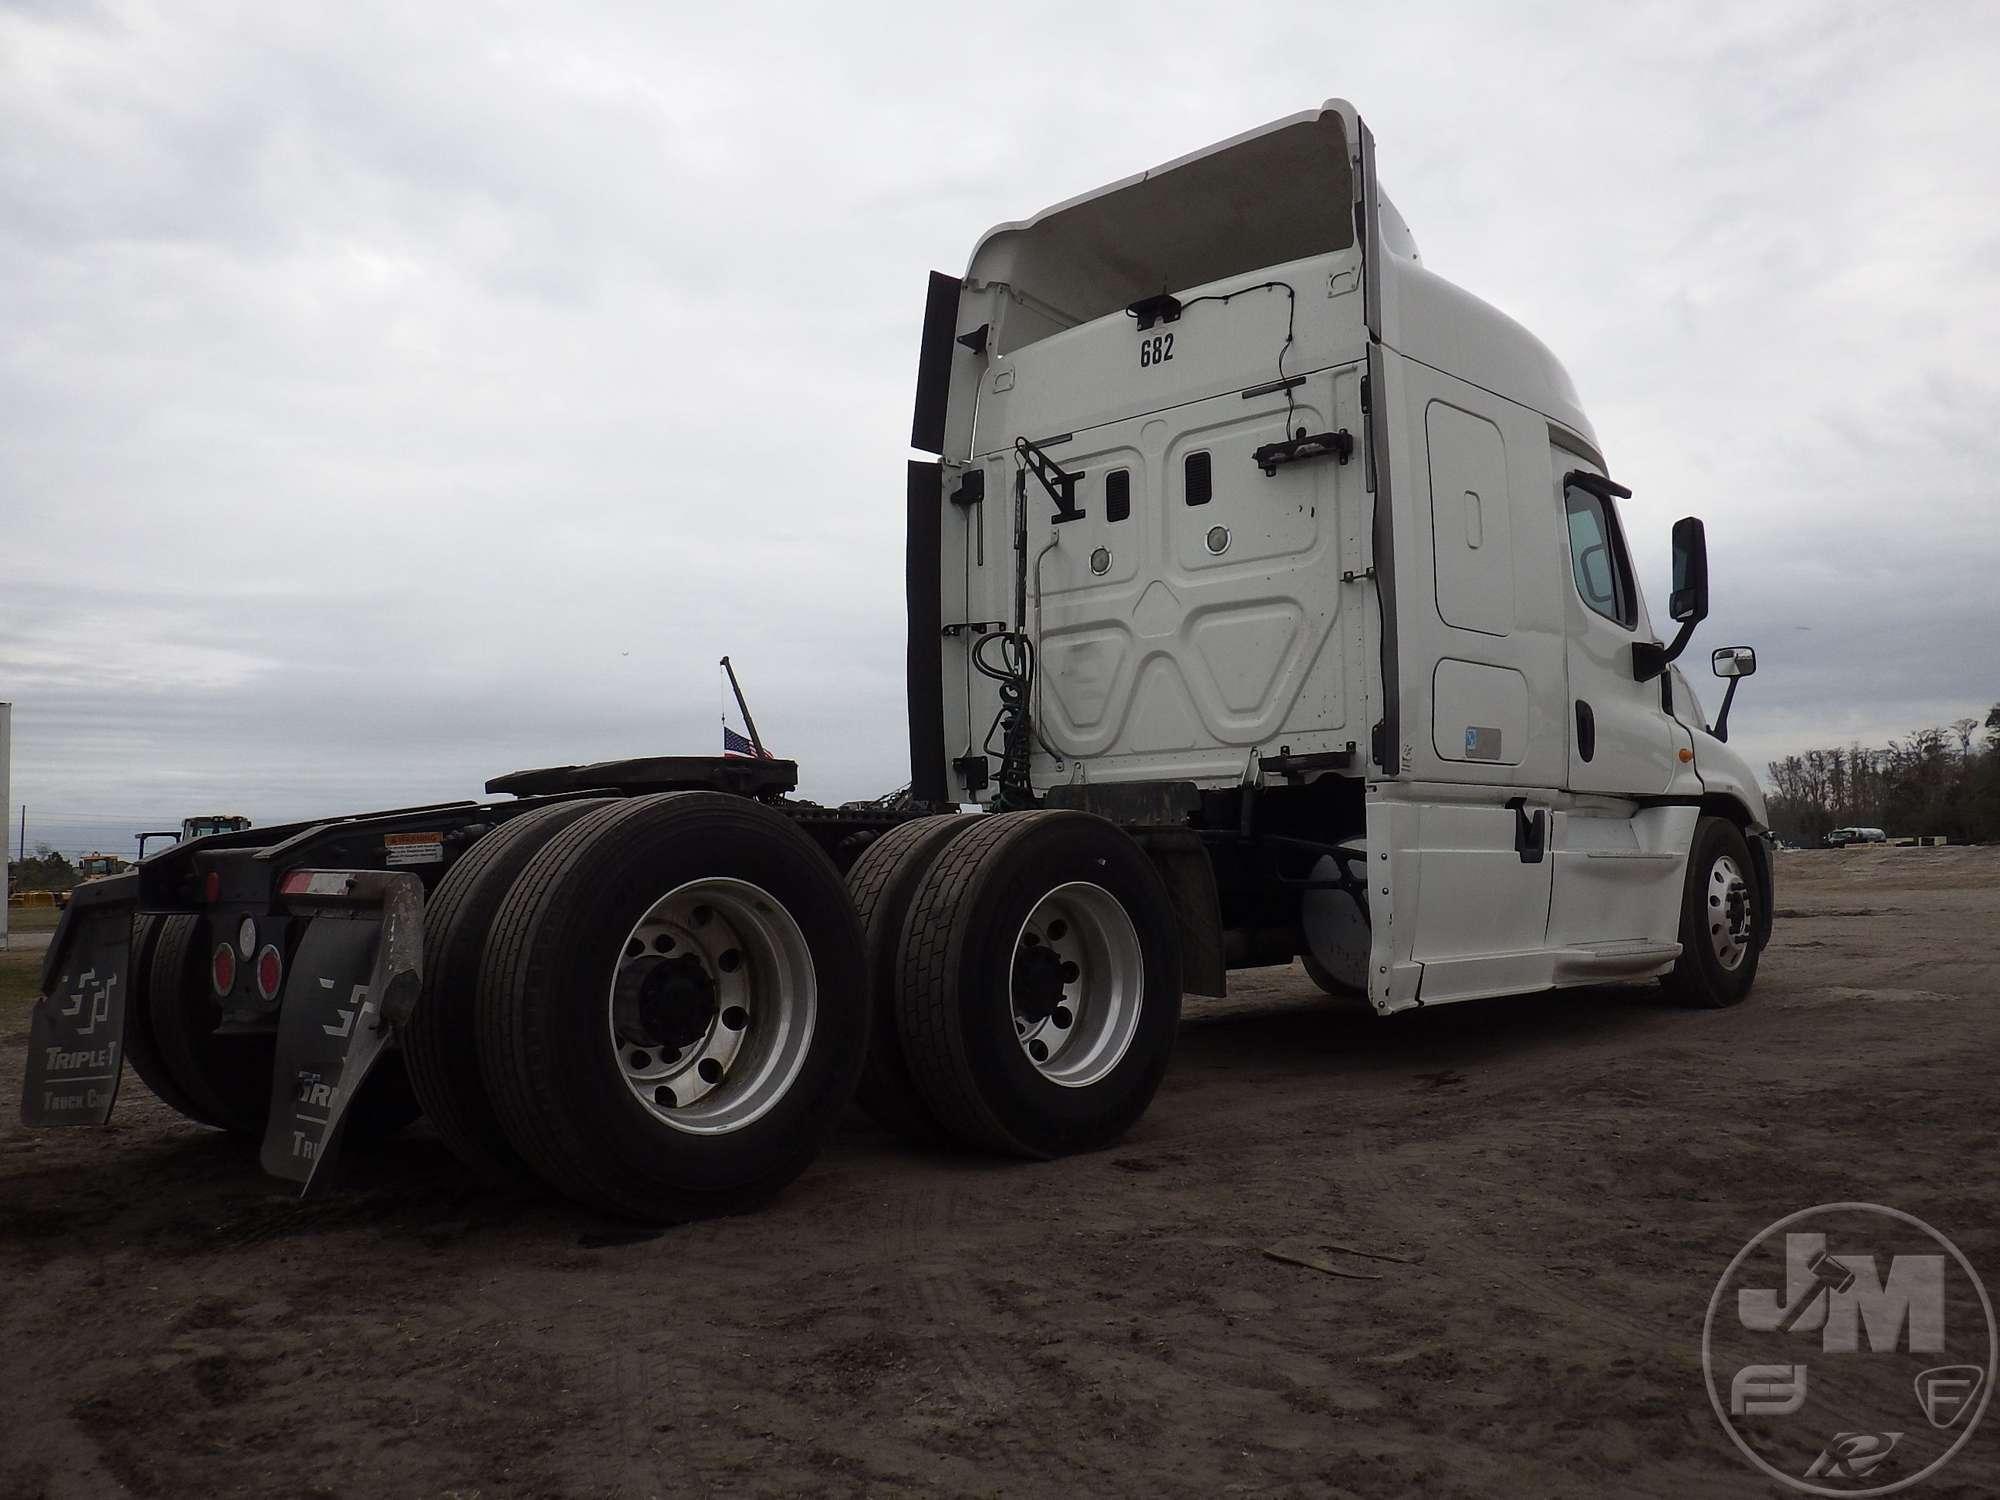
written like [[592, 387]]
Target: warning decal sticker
[[413, 848]]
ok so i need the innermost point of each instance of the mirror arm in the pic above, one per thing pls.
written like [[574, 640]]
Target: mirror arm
[[1649, 659], [1721, 730]]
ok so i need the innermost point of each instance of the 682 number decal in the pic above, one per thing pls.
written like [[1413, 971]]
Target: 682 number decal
[[1156, 350]]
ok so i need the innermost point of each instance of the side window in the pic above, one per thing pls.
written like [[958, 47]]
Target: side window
[[1597, 557]]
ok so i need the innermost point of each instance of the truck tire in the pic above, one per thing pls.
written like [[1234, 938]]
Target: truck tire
[[142, 1050], [441, 1041], [226, 1080], [882, 884], [1719, 947], [673, 1010], [1040, 979]]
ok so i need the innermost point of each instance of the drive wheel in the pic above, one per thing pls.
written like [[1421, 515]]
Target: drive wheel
[[673, 1010], [226, 1078], [441, 1041], [1040, 979], [142, 1050], [1719, 920], [883, 883]]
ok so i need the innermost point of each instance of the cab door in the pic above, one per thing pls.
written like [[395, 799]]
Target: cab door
[[1621, 740]]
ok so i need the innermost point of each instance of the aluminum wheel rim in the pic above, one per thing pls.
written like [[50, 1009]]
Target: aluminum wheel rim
[[1729, 912], [712, 1006], [1077, 984]]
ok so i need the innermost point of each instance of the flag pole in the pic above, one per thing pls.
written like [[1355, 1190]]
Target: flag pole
[[742, 707]]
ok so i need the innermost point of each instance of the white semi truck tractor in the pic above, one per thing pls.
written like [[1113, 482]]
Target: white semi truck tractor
[[1268, 597]]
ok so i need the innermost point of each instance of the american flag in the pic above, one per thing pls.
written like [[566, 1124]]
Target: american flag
[[735, 746]]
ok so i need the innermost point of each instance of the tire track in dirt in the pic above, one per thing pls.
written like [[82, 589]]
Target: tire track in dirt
[[991, 1380]]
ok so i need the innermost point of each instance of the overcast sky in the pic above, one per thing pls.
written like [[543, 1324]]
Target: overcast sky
[[393, 396]]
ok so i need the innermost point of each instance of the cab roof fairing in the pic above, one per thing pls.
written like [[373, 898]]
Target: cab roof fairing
[[1427, 318], [1205, 218], [1073, 261]]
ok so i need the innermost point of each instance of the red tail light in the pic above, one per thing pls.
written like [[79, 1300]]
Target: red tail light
[[223, 969], [270, 972], [211, 888]]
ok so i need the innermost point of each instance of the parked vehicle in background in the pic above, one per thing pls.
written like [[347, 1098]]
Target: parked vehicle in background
[[95, 866], [1840, 838], [197, 827]]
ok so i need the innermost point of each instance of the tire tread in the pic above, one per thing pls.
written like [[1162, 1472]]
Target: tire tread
[[928, 1013], [441, 1043], [883, 883]]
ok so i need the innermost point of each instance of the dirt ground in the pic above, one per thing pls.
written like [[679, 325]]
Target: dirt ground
[[1562, 1179]]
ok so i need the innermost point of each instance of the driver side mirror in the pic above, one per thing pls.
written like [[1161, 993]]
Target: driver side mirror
[[1734, 661], [1688, 603]]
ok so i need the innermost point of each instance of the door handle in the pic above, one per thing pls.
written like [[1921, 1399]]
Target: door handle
[[1586, 731]]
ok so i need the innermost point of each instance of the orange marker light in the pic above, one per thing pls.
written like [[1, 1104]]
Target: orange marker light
[[1686, 756]]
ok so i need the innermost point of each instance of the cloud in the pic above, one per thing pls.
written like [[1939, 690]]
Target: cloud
[[378, 378]]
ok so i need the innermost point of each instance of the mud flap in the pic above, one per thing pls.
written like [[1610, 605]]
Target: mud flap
[[76, 1032], [353, 978]]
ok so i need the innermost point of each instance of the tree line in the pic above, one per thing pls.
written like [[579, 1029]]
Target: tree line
[[45, 871], [1943, 780]]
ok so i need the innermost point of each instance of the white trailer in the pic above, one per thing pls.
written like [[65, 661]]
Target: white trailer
[[1267, 597]]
